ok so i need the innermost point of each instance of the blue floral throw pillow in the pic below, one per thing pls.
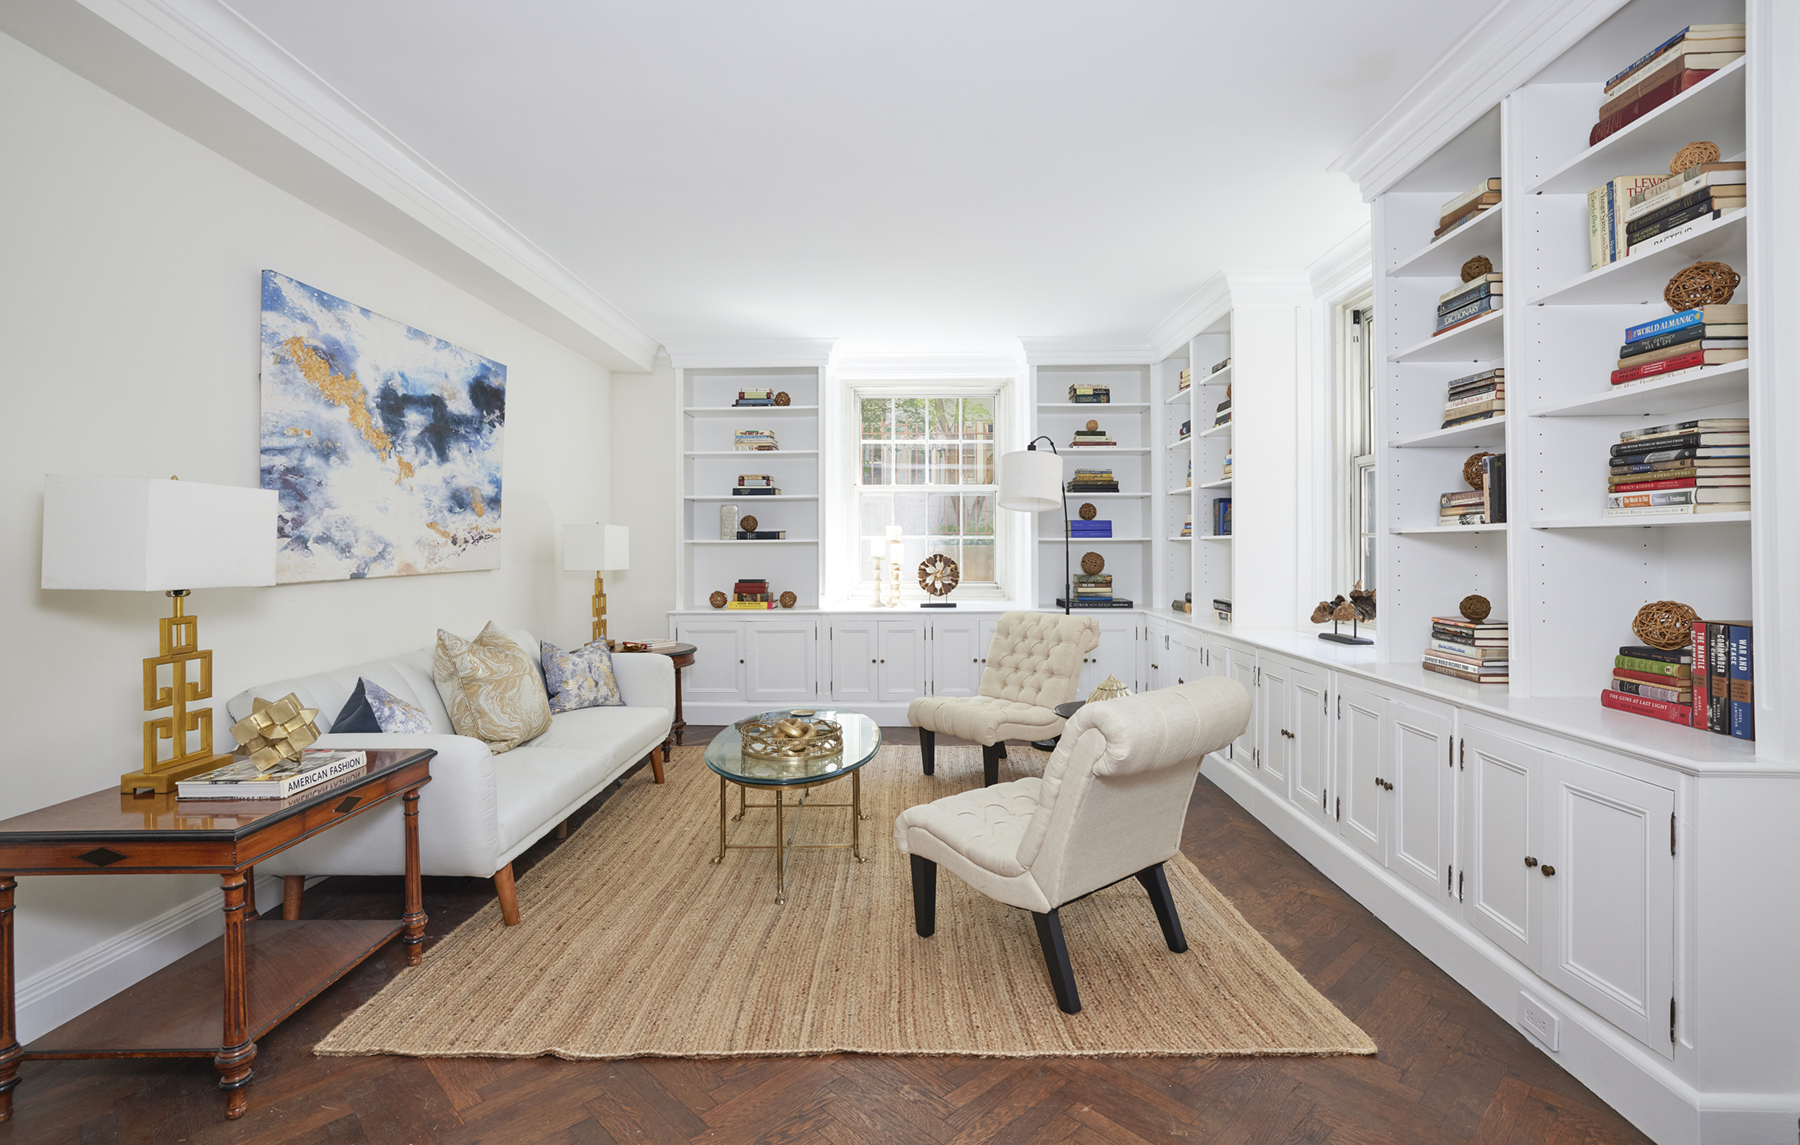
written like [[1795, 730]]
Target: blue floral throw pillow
[[580, 679], [374, 709]]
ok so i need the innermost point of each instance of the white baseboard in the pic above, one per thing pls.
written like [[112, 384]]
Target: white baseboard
[[1626, 1075], [76, 984]]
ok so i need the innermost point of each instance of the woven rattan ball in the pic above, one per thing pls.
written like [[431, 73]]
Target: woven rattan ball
[[1472, 469], [1693, 155], [747, 524], [782, 398], [1087, 510], [788, 600], [1476, 267], [717, 600], [1475, 608], [1092, 563], [1664, 624], [1703, 284], [1092, 426]]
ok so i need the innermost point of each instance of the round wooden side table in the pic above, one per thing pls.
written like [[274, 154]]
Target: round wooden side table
[[682, 656]]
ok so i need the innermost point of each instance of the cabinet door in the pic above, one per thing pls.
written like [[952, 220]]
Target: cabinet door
[[1240, 665], [1361, 717], [1308, 742], [780, 659], [1422, 827], [900, 674], [854, 660], [1160, 660], [1609, 906], [955, 657], [1274, 711], [1117, 655], [718, 669], [1503, 894]]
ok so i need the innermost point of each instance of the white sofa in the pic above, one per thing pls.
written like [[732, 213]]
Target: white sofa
[[480, 811]]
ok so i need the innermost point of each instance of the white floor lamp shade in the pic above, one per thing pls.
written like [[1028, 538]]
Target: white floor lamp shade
[[1031, 481]]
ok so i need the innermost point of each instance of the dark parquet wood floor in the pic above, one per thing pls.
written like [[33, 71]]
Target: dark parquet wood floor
[[1449, 1070]]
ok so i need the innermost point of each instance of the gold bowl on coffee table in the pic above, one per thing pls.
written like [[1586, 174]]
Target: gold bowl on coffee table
[[791, 737]]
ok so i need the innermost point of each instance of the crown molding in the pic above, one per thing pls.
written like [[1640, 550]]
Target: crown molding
[[749, 353], [1121, 350], [1346, 266], [1513, 42], [199, 67], [1200, 310], [928, 366], [1269, 287]]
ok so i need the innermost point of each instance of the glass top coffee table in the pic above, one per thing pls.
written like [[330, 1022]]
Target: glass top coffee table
[[857, 741]]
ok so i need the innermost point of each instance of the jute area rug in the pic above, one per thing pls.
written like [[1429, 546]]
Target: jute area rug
[[634, 944]]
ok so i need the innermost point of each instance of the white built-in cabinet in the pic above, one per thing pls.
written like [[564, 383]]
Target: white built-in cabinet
[[958, 648], [780, 662]]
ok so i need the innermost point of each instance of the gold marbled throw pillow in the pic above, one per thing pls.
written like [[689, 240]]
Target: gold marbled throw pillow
[[491, 688]]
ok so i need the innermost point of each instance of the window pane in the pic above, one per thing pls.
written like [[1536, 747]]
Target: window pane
[[1368, 499], [877, 512], [978, 463], [1368, 562], [946, 514], [945, 469], [944, 416], [876, 414], [909, 513], [909, 464], [978, 418], [978, 515], [977, 563], [909, 417], [877, 466]]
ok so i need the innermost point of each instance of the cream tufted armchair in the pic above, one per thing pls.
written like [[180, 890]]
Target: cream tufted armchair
[[1109, 807], [1033, 664]]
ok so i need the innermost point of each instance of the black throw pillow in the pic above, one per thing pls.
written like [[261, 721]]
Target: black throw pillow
[[357, 715]]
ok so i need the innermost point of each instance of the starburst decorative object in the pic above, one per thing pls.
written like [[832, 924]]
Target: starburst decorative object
[[278, 731], [938, 574]]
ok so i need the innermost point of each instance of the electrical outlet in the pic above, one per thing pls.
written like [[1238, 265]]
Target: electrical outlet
[[1540, 1022]]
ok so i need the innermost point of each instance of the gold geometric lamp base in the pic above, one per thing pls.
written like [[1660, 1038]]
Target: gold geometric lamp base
[[179, 636]]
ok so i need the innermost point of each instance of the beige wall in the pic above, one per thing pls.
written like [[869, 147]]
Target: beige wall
[[130, 321], [646, 500]]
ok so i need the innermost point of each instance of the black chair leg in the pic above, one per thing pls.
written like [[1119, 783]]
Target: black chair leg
[[928, 749], [1056, 960], [1002, 746], [1157, 884], [991, 755], [924, 883]]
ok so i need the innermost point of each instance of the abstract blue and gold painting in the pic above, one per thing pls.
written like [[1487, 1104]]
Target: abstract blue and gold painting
[[383, 441]]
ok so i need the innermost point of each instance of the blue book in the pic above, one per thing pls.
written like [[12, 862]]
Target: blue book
[[1743, 702], [1648, 56], [1462, 313], [1704, 316]]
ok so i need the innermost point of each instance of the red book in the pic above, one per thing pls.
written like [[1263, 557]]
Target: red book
[[1639, 486], [1667, 365], [1644, 104], [1697, 673], [1643, 706]]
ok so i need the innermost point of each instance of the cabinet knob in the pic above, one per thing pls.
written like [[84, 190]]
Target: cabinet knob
[[740, 661], [1179, 680], [1548, 870], [1530, 861]]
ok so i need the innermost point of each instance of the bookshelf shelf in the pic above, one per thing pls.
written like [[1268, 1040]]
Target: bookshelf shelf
[[1073, 407], [1641, 277], [739, 411], [1180, 443], [1084, 450], [1178, 395], [1181, 492], [1486, 434], [1448, 530], [1223, 483], [751, 500], [1714, 385], [1479, 341], [1096, 540], [1215, 431], [1673, 520], [1099, 496], [1179, 537], [1221, 378], [765, 454], [1213, 537], [749, 542], [1447, 255], [1714, 110]]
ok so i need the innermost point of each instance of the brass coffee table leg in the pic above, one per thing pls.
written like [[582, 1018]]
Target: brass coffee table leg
[[856, 815], [721, 855], [743, 802], [780, 854]]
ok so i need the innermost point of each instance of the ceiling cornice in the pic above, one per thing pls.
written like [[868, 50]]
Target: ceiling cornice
[[1344, 267], [749, 353], [927, 365], [1201, 309], [236, 63], [1513, 42], [1124, 350]]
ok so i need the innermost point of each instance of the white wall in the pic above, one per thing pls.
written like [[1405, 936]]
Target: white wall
[[129, 313], [643, 472]]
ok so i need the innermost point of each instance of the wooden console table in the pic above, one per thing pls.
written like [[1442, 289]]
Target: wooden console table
[[682, 656], [217, 1001]]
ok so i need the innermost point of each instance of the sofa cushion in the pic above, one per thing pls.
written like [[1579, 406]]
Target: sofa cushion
[[533, 785], [579, 679], [406, 676], [374, 709], [983, 719], [614, 735], [984, 825], [491, 687]]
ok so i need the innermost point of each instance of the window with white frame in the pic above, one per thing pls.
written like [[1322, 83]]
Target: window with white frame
[[1357, 401], [927, 463]]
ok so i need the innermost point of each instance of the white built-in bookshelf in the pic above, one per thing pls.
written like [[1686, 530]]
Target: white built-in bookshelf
[[1566, 578]]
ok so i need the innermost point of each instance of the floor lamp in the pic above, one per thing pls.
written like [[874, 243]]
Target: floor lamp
[[1032, 482]]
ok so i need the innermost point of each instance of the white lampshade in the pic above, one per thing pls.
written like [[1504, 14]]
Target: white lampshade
[[1031, 481], [596, 548], [139, 534]]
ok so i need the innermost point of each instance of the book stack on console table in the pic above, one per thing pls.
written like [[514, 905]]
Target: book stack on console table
[[1468, 301], [1467, 650], [1684, 342], [1681, 62], [1685, 467], [1483, 506], [1467, 207], [755, 485], [1478, 397]]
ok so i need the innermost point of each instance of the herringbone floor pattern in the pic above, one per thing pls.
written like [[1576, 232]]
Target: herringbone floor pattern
[[1449, 1070]]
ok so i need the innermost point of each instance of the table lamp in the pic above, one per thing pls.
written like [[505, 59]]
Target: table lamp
[[1031, 482], [602, 548], [135, 534]]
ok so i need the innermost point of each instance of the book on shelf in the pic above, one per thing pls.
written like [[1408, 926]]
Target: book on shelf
[[1606, 216], [1221, 519], [1718, 315], [1695, 69], [754, 440], [1088, 437], [242, 779], [1498, 410], [1638, 483], [1462, 499], [1187, 380], [1219, 365], [1736, 496], [750, 605], [1682, 439], [1090, 395], [1090, 528], [1451, 319], [1187, 525], [1716, 346], [1084, 602], [762, 534], [1683, 696], [1444, 668], [1723, 175], [1659, 672], [1682, 208], [1493, 277], [1472, 651], [1679, 72], [1680, 363], [1677, 510], [1222, 418], [1679, 234], [1718, 677], [756, 491], [1692, 337], [1741, 653], [1488, 286], [1702, 209], [1488, 190], [1645, 706], [1682, 655], [1739, 425], [755, 479], [1186, 430], [1693, 37]]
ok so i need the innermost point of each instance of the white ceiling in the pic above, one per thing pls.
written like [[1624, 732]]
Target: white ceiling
[[917, 175]]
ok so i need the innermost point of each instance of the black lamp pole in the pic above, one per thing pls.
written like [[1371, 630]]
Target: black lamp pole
[[1068, 590]]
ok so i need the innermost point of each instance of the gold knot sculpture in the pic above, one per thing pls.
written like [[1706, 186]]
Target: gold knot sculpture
[[274, 732]]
